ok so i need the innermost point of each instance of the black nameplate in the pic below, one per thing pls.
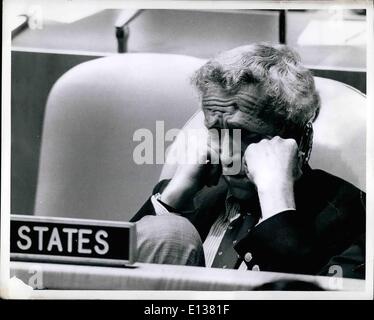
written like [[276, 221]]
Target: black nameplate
[[35, 238]]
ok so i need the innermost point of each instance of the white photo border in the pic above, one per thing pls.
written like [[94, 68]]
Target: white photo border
[[185, 295]]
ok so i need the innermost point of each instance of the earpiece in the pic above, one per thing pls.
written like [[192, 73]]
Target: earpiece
[[306, 142]]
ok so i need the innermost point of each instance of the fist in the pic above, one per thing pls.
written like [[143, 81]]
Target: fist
[[193, 174], [272, 162], [202, 167]]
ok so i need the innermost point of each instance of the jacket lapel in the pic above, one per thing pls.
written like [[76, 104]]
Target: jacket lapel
[[209, 203]]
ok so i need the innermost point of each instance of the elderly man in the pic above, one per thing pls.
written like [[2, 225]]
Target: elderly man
[[275, 213]]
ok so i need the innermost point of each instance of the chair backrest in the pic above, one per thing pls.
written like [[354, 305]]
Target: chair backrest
[[86, 166]]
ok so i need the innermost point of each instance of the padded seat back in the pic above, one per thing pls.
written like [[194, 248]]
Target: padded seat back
[[86, 164]]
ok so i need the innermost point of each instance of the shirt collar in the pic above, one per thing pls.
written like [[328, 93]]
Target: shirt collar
[[232, 207]]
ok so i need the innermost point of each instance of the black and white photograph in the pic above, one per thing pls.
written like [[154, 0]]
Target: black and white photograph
[[187, 150]]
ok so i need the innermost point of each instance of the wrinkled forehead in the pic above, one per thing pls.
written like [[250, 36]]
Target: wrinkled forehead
[[241, 109], [248, 89]]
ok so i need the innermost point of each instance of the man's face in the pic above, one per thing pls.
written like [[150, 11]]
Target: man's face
[[236, 111]]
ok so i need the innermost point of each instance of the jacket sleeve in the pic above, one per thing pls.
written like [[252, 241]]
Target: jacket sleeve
[[278, 244], [292, 242], [147, 208]]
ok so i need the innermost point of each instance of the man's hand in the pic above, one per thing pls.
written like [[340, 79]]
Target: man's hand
[[191, 177], [272, 161], [273, 166]]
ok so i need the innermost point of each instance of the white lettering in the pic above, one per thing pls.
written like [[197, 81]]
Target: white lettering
[[229, 148], [23, 236], [101, 241], [55, 240], [143, 152], [161, 310], [36, 279], [70, 232], [336, 280], [160, 143], [40, 231], [82, 240], [176, 153]]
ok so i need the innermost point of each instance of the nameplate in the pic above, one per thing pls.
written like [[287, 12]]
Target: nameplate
[[66, 240]]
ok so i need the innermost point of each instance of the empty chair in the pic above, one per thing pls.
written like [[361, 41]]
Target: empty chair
[[86, 164]]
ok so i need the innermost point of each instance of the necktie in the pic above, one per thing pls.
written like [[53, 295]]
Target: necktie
[[226, 256]]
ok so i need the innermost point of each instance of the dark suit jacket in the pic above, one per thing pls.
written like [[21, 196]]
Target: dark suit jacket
[[327, 229]]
